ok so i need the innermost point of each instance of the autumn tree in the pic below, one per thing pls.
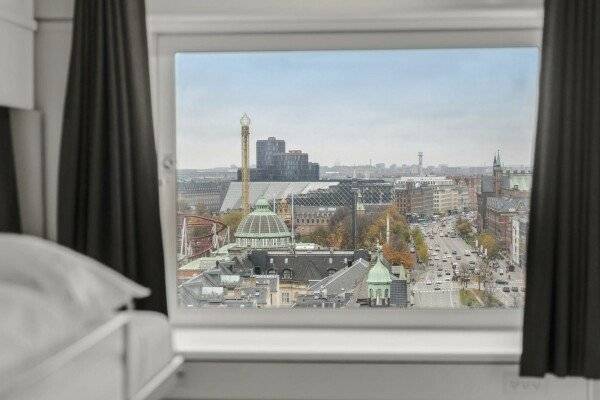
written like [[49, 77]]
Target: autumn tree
[[232, 219], [463, 227], [398, 257], [488, 241]]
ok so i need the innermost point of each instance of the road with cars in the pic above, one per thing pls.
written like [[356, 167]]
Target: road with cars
[[433, 285]]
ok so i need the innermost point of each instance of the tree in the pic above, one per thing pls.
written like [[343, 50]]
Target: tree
[[182, 205], [319, 236], [201, 209], [398, 257], [420, 246], [232, 219], [463, 227], [488, 241]]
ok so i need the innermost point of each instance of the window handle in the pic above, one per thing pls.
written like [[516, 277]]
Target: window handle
[[168, 162]]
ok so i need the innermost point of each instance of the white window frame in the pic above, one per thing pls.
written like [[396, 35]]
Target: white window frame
[[396, 25]]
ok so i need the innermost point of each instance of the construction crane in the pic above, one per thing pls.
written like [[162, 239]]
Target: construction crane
[[245, 122]]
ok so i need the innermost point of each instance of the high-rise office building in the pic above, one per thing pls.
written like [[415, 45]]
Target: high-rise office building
[[266, 149]]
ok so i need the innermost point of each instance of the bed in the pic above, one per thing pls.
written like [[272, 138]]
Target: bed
[[62, 337]]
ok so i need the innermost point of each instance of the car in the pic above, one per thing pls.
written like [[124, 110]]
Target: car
[[436, 258], [454, 252], [500, 271], [439, 275], [428, 282], [454, 264], [458, 257], [506, 289], [447, 279], [440, 269], [445, 260], [431, 263], [447, 272], [514, 289], [438, 282], [501, 282], [437, 288]]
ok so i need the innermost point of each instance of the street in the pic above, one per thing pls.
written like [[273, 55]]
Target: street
[[434, 286]]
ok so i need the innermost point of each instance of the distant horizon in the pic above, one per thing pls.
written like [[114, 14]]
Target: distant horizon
[[457, 106]]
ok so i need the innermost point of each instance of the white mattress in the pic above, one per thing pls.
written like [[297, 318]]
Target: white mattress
[[149, 348]]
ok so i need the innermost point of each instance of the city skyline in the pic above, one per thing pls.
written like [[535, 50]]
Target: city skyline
[[398, 103]]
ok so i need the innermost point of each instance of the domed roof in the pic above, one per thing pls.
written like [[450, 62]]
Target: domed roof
[[262, 223], [379, 273]]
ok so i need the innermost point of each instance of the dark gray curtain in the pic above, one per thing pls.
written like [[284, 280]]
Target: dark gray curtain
[[9, 202], [108, 189], [562, 310]]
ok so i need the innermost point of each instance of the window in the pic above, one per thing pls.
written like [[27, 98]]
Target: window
[[427, 152]]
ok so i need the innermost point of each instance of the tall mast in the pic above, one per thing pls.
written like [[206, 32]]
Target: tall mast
[[245, 122]]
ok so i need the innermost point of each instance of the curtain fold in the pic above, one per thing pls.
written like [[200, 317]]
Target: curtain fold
[[108, 185], [10, 220], [562, 307]]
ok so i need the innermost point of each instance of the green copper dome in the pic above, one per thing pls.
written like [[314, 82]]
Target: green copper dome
[[262, 228], [379, 273]]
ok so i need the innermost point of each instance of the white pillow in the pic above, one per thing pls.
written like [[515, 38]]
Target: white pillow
[[65, 276]]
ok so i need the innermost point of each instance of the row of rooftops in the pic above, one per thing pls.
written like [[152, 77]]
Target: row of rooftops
[[508, 204], [226, 283]]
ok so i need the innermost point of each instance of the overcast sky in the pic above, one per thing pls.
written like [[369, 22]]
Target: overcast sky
[[347, 107]]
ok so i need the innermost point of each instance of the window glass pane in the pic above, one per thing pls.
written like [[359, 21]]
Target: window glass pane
[[345, 179]]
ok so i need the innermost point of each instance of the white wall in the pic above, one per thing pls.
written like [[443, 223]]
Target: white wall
[[52, 51], [17, 27], [16, 53]]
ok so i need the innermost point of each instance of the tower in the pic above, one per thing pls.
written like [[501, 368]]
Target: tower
[[379, 282], [497, 171], [245, 122], [420, 154]]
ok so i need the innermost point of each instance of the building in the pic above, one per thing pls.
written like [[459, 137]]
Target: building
[[516, 180], [262, 228], [310, 218], [203, 193], [518, 249], [499, 215], [445, 199], [272, 190], [293, 166], [273, 163], [502, 182], [416, 199], [445, 194], [399, 287], [379, 281], [303, 266], [266, 149]]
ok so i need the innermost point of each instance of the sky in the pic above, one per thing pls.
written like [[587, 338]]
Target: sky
[[457, 106]]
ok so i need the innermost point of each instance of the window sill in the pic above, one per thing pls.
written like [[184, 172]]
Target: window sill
[[348, 345]]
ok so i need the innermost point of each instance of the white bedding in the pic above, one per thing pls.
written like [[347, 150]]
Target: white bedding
[[100, 371], [50, 297], [150, 348]]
